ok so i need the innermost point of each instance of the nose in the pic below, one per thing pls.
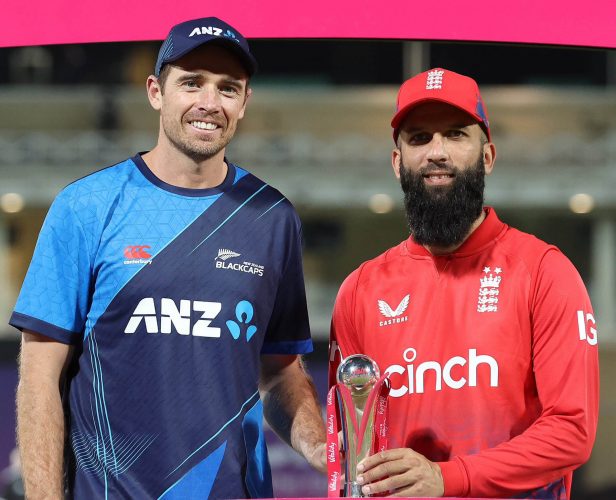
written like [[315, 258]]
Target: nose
[[437, 151], [209, 99]]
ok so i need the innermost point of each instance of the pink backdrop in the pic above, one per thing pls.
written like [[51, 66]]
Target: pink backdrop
[[560, 22]]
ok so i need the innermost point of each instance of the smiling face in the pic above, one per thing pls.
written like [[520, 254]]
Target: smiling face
[[202, 98], [436, 140], [441, 160]]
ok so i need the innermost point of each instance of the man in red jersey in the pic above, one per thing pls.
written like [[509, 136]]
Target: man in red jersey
[[487, 333]]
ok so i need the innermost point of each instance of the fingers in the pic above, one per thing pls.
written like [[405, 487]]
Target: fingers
[[390, 468], [385, 457], [400, 472], [390, 476]]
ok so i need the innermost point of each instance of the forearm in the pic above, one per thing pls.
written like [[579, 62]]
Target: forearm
[[292, 409], [40, 416], [547, 451], [40, 435]]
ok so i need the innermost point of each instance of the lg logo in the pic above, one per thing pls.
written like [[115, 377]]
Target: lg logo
[[586, 327]]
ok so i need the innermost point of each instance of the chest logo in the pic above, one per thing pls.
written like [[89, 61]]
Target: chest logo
[[137, 254], [224, 255], [394, 316], [489, 285], [244, 313], [190, 317]]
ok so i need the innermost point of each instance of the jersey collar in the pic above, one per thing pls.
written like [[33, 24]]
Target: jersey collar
[[149, 175], [488, 231]]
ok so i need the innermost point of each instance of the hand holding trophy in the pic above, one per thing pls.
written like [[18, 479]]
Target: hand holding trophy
[[361, 394]]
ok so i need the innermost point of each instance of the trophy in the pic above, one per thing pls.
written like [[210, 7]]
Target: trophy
[[362, 406]]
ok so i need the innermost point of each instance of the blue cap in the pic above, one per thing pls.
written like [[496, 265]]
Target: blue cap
[[189, 35]]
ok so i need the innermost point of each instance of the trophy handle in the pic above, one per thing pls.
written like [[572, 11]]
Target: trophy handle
[[360, 441]]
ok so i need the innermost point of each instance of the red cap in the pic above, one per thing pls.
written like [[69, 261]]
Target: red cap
[[445, 86]]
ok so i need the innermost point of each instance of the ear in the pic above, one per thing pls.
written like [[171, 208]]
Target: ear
[[396, 159], [489, 156], [243, 110], [154, 92]]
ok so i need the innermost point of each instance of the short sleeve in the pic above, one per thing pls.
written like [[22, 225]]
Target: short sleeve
[[288, 331], [54, 296]]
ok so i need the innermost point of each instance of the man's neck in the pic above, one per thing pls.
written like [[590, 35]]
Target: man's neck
[[438, 250], [177, 169]]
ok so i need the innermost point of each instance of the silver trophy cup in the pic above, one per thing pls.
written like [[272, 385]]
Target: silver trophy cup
[[359, 374]]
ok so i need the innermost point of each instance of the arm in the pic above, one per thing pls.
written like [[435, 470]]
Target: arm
[[565, 366], [291, 406], [566, 377], [40, 417]]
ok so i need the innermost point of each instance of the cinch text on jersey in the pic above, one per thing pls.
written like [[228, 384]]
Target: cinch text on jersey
[[415, 375]]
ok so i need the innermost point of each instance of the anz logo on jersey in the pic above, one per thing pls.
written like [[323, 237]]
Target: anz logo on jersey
[[413, 376], [171, 318]]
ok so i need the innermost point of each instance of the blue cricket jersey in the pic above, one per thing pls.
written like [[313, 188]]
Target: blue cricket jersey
[[170, 295]]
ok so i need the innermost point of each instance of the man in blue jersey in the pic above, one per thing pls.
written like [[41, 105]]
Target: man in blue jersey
[[165, 306]]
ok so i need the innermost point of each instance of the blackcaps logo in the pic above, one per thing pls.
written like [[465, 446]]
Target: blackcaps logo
[[225, 255]]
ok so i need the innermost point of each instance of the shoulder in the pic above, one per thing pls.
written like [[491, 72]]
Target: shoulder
[[368, 269], [527, 243], [85, 202], [93, 185], [547, 265], [528, 248], [267, 198], [524, 248]]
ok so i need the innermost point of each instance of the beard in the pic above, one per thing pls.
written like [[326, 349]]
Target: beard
[[442, 216], [197, 150]]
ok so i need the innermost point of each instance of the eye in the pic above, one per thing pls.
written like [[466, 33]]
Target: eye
[[191, 84], [420, 138], [456, 133], [230, 90]]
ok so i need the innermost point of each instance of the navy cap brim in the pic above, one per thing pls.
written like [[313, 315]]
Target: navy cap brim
[[249, 62]]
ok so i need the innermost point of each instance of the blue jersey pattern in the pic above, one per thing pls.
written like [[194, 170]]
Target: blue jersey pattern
[[170, 296]]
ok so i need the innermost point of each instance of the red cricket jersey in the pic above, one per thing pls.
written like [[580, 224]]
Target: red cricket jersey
[[492, 355]]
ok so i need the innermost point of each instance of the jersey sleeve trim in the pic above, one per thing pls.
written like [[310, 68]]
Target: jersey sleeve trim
[[288, 347], [24, 322], [455, 478]]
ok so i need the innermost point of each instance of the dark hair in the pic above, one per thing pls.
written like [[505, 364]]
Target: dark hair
[[162, 77]]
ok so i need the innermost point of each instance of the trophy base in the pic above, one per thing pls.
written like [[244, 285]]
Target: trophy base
[[352, 489]]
